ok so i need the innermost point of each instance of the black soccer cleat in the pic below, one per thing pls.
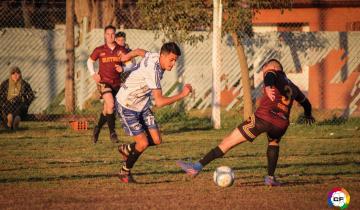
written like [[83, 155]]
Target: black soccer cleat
[[96, 133], [114, 137]]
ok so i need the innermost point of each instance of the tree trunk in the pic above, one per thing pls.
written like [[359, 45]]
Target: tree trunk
[[82, 10], [108, 12], [245, 79], [70, 57], [27, 12], [95, 19]]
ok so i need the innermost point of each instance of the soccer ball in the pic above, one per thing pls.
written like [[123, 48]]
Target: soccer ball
[[224, 176]]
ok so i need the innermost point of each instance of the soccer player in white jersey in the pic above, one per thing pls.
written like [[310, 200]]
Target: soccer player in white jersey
[[133, 104]]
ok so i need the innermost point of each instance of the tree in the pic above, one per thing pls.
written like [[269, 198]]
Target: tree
[[70, 58], [99, 12], [177, 19], [28, 9]]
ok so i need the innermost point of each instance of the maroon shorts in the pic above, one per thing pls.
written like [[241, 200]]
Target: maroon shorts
[[106, 88], [254, 126]]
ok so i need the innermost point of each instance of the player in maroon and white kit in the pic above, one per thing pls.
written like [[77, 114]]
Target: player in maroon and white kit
[[107, 79], [271, 117]]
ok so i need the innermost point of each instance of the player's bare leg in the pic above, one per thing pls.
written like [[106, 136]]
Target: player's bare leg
[[141, 143], [272, 157], [153, 137], [233, 139]]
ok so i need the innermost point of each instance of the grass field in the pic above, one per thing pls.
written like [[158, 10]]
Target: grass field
[[49, 166]]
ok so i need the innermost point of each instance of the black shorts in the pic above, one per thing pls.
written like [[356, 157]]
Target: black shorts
[[254, 126], [106, 88]]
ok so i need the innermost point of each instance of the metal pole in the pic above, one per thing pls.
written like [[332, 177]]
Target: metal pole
[[216, 64]]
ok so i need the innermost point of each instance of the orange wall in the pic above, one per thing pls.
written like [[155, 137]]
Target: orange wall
[[327, 19], [321, 92], [324, 94]]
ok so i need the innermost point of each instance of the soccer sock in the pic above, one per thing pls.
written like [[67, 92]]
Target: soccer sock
[[133, 156], [210, 156], [130, 147], [272, 156], [102, 120], [111, 122]]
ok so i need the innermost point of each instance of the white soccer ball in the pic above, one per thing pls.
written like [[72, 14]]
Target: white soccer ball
[[224, 176]]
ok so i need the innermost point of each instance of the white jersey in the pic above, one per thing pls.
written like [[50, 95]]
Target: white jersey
[[135, 93]]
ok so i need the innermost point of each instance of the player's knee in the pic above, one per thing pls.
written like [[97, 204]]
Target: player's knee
[[274, 142], [157, 140]]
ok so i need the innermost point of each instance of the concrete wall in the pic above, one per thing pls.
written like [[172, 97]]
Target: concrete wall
[[316, 61]]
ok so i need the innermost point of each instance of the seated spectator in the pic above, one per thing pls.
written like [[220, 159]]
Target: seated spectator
[[16, 96]]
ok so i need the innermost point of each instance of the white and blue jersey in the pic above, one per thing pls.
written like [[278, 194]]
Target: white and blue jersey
[[135, 92], [133, 99]]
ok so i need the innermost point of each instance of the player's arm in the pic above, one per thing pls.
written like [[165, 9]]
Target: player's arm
[[269, 82], [132, 54], [309, 119], [305, 103], [161, 100], [90, 65]]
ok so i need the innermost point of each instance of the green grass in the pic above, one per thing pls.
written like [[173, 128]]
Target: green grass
[[62, 168]]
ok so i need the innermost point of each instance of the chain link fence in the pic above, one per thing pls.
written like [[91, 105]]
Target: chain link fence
[[319, 52]]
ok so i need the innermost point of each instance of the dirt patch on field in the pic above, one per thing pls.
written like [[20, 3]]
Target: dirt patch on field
[[173, 192]]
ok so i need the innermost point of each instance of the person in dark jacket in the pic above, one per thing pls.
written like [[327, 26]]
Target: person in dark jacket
[[16, 96]]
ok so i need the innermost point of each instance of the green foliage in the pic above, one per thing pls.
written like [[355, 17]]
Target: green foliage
[[171, 114], [56, 107], [177, 19]]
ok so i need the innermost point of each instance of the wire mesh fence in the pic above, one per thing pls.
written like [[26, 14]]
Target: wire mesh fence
[[319, 52]]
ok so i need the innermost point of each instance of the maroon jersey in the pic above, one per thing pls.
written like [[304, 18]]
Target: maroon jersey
[[277, 112], [107, 60]]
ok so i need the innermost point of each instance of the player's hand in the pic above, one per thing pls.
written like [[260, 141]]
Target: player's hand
[[97, 78], [270, 92], [309, 120], [187, 89], [118, 68]]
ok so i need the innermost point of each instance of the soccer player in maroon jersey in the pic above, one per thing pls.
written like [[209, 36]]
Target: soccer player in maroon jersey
[[107, 79], [271, 117]]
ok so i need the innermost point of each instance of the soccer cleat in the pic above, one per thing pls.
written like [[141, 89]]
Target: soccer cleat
[[123, 151], [96, 133], [189, 168], [114, 138], [271, 181], [126, 176]]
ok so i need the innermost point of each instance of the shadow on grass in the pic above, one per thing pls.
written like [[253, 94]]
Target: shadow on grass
[[78, 177], [58, 178], [335, 120], [9, 131], [190, 124]]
